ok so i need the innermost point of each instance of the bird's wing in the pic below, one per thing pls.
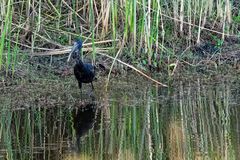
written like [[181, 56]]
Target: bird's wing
[[90, 67]]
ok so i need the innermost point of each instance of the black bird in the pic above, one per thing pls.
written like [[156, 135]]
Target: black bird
[[84, 72]]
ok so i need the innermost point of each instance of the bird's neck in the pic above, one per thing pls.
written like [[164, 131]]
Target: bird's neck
[[79, 61]]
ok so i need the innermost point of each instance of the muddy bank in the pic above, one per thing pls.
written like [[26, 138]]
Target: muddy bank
[[52, 91]]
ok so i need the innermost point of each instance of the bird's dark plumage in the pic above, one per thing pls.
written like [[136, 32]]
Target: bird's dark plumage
[[84, 72]]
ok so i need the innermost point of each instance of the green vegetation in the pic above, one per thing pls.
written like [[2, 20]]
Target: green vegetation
[[151, 30], [134, 120]]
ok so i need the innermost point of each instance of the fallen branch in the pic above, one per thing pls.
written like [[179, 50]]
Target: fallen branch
[[137, 70], [66, 50]]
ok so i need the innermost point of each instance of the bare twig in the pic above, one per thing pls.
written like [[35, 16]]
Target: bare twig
[[115, 58], [137, 70]]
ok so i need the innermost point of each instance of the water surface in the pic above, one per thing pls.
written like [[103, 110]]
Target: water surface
[[134, 119]]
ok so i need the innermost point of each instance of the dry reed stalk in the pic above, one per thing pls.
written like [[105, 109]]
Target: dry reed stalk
[[175, 15], [199, 24], [189, 12], [181, 15], [135, 69]]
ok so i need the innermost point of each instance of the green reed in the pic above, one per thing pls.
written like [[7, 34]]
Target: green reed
[[92, 28], [148, 28], [5, 31]]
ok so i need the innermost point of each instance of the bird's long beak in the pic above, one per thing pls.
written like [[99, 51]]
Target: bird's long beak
[[74, 48]]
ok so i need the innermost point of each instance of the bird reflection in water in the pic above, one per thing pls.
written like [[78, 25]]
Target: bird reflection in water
[[84, 119]]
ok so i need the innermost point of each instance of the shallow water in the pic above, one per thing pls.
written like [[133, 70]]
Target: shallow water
[[133, 120]]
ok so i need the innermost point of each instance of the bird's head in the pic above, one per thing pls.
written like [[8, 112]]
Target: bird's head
[[77, 46]]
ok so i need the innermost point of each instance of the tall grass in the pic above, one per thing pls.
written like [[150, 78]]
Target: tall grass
[[6, 18], [147, 26]]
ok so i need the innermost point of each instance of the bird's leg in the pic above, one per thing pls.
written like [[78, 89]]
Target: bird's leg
[[91, 92], [93, 97], [80, 87], [92, 86], [81, 94]]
